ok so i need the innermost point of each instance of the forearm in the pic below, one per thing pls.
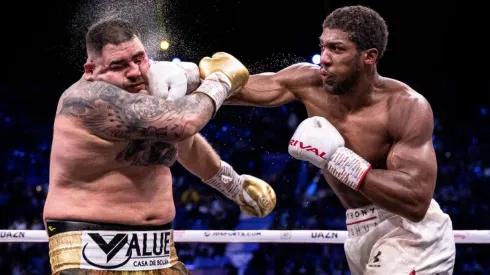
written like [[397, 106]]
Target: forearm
[[262, 90], [264, 99], [198, 109], [112, 113], [243, 99], [395, 192], [198, 157]]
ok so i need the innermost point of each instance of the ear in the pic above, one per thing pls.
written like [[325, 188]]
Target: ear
[[88, 71], [371, 56]]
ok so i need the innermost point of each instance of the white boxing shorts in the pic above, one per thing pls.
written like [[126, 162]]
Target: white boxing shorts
[[382, 243]]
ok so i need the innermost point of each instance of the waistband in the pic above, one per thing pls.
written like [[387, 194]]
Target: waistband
[[102, 246], [360, 221], [62, 226]]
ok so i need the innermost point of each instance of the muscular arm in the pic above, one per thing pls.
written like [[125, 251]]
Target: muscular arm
[[114, 114], [198, 157], [407, 186], [276, 89]]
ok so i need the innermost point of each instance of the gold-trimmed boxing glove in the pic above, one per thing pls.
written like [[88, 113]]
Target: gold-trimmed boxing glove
[[254, 196], [222, 69]]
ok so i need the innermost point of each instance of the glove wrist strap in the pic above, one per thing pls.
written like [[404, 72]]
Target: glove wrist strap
[[216, 86], [227, 181], [348, 167], [192, 74]]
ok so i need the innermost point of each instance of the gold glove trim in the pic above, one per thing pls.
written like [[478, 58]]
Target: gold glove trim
[[259, 196]]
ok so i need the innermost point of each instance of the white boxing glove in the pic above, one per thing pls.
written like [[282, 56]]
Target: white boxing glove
[[317, 141], [171, 80]]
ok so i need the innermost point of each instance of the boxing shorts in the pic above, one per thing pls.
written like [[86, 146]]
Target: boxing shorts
[[381, 243], [99, 248]]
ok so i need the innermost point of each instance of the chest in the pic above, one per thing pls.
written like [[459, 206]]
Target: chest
[[146, 153], [365, 132]]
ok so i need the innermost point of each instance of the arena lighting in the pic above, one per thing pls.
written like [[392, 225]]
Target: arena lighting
[[316, 59], [164, 45]]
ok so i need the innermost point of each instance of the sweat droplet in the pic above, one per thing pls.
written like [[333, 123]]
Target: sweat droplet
[[148, 16]]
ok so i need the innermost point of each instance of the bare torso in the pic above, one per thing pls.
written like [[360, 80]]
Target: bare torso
[[92, 179], [365, 131]]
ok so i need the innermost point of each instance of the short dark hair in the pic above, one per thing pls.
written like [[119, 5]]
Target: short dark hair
[[366, 28], [109, 31]]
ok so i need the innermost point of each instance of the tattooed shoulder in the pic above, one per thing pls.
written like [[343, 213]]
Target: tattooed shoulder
[[79, 99], [115, 114]]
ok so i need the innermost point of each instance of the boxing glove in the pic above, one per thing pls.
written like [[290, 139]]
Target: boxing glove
[[171, 80], [225, 63], [317, 141], [223, 76], [257, 198], [254, 196]]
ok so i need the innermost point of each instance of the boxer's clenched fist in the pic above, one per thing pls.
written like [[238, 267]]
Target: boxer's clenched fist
[[171, 81], [225, 63], [254, 196], [317, 141], [258, 198], [223, 75]]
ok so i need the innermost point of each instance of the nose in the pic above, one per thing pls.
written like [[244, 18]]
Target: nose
[[325, 58], [134, 71]]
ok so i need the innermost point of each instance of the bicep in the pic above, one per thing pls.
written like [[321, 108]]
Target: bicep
[[417, 161], [114, 114], [413, 152]]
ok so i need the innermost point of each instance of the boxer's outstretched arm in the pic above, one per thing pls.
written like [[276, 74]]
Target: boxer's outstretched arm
[[407, 187], [276, 89], [198, 156], [114, 114]]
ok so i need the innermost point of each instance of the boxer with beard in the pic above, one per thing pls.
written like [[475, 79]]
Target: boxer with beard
[[372, 137]]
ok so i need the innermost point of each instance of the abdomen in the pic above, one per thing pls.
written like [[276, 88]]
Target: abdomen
[[88, 183]]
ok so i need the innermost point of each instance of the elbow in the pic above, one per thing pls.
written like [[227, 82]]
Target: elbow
[[416, 216], [418, 210], [190, 127]]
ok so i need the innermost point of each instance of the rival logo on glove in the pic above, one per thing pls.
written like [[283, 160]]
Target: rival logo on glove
[[309, 148]]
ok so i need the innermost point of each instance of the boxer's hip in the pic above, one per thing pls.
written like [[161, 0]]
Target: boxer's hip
[[374, 221], [382, 241], [111, 248]]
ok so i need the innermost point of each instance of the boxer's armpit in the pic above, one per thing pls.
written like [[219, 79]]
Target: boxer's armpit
[[112, 113]]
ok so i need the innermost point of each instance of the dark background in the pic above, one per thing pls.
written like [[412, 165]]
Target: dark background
[[437, 47]]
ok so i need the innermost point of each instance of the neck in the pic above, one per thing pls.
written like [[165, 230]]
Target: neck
[[359, 95]]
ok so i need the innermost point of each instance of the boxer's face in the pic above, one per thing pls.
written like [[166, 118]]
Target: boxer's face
[[340, 61], [125, 65]]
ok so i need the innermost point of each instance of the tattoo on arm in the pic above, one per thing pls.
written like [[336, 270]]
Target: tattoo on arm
[[115, 114], [191, 71]]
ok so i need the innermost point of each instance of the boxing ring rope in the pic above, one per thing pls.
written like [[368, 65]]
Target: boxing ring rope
[[248, 236]]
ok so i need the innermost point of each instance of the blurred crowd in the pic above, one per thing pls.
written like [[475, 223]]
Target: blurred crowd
[[255, 142]]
